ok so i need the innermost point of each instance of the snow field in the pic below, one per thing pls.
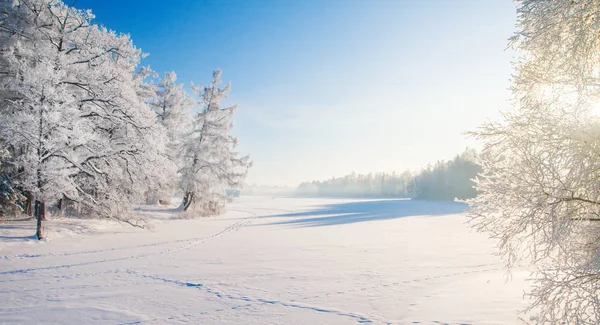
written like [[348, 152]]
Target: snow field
[[265, 261]]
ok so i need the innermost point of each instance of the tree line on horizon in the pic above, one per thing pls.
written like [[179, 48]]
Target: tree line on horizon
[[84, 128], [444, 180]]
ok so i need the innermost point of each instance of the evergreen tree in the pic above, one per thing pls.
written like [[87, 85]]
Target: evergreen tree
[[211, 164]]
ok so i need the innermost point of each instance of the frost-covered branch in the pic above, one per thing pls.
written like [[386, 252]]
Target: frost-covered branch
[[539, 192]]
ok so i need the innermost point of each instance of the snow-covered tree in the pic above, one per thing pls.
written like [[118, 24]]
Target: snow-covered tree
[[71, 114], [172, 106], [539, 193], [9, 194], [211, 164]]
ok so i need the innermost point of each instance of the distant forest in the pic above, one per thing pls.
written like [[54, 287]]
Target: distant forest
[[445, 180]]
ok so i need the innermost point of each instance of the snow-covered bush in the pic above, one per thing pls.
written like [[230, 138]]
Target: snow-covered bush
[[11, 199]]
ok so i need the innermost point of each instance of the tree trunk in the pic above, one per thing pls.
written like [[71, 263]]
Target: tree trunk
[[43, 211], [40, 215], [187, 200], [59, 204], [29, 203]]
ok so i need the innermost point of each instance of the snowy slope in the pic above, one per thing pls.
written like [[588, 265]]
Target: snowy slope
[[266, 261]]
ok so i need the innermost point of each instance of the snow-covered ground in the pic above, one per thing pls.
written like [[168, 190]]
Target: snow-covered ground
[[265, 261]]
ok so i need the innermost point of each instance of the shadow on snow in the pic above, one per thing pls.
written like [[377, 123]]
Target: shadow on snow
[[17, 238], [352, 212]]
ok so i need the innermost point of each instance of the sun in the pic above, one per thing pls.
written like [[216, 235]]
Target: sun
[[595, 109]]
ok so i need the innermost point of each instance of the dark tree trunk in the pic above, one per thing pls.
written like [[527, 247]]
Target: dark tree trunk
[[43, 210], [29, 203], [187, 200], [59, 204], [40, 215]]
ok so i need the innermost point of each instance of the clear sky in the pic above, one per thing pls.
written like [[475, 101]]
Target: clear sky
[[328, 87]]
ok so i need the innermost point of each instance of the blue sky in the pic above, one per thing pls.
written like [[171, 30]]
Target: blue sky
[[328, 87]]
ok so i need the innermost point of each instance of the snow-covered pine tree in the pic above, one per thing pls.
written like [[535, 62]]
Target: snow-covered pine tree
[[173, 108], [211, 164]]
